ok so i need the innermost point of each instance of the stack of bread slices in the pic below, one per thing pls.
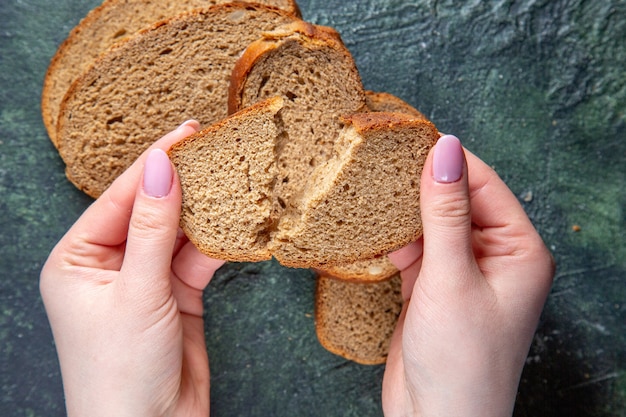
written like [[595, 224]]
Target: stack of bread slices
[[296, 161]]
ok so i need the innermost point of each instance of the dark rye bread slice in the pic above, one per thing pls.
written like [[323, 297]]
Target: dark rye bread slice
[[105, 25], [362, 203], [227, 173], [146, 85], [313, 70], [357, 320]]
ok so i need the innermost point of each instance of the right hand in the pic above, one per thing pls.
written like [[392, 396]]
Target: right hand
[[474, 288]]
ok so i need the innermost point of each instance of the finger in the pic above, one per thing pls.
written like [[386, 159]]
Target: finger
[[192, 273], [408, 260], [152, 230], [194, 268], [504, 239], [446, 211], [408, 255], [106, 221], [493, 203]]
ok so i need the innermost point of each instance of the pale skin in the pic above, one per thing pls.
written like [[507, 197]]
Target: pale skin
[[474, 287], [123, 293]]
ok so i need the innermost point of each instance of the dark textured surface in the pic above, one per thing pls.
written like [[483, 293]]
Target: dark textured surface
[[536, 88]]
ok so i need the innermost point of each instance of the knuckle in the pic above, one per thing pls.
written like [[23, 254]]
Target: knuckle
[[146, 222], [451, 207]]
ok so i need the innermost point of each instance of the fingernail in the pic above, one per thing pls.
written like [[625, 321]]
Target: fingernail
[[157, 174], [193, 123], [448, 159]]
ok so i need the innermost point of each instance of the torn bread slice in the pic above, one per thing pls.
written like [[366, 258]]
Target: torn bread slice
[[380, 268], [357, 320], [364, 202], [312, 69], [105, 25], [146, 85], [227, 173]]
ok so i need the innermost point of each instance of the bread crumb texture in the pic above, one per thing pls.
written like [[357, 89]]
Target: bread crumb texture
[[227, 173], [310, 67], [365, 199], [356, 320], [143, 88]]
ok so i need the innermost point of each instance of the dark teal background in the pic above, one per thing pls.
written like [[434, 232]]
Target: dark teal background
[[535, 88]]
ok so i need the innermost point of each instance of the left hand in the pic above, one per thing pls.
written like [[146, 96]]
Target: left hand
[[123, 293]]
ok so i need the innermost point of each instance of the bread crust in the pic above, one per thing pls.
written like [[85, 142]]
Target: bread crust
[[365, 271], [376, 121], [111, 64]]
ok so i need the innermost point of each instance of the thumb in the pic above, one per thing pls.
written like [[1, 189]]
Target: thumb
[[445, 209], [152, 230]]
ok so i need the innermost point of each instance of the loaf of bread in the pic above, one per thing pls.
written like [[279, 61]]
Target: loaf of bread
[[105, 25], [362, 203], [312, 69], [357, 320], [145, 86]]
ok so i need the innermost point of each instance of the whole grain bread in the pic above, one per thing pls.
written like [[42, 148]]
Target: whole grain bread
[[146, 85], [105, 25], [227, 173], [380, 268], [357, 320], [362, 203], [312, 69]]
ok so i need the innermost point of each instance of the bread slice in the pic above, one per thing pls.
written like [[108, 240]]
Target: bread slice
[[357, 320], [361, 204], [313, 70], [227, 173], [145, 86], [105, 25], [364, 202]]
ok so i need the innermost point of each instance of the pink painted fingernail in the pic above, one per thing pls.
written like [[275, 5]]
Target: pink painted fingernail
[[193, 123], [448, 159], [157, 174]]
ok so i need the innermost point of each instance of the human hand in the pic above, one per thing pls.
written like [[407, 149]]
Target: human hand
[[123, 293], [474, 287]]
